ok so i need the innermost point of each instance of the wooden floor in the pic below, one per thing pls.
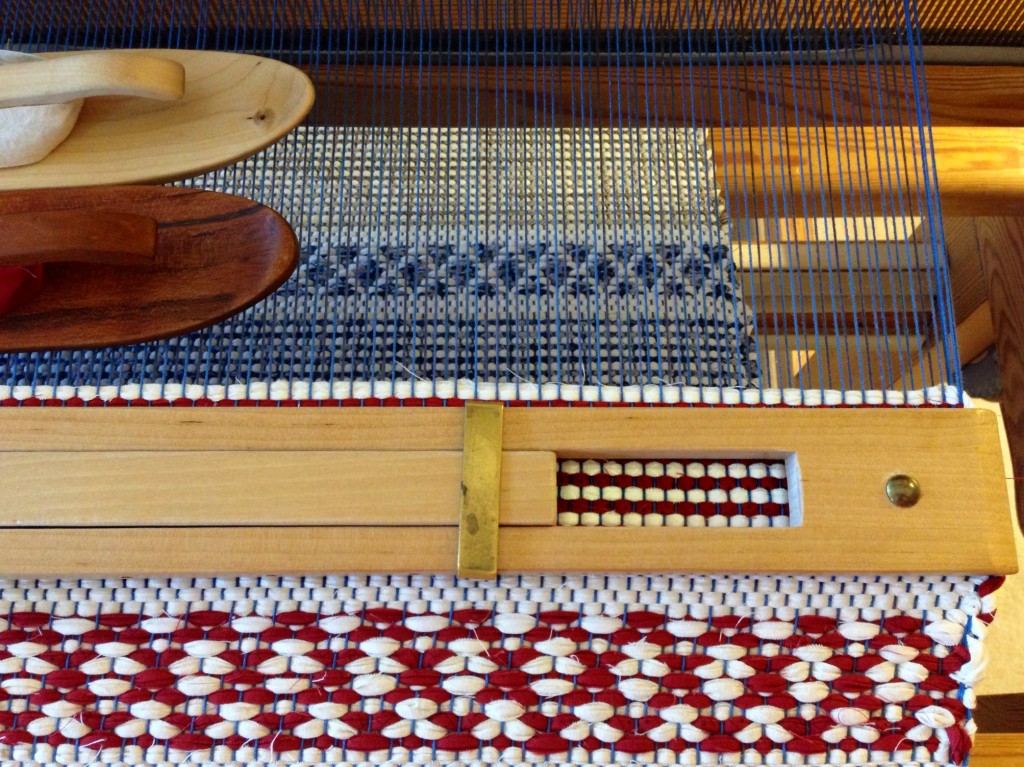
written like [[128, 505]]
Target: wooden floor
[[998, 750]]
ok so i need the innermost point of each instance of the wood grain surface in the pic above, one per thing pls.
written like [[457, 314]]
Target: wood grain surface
[[974, 335], [95, 73], [234, 105], [966, 276], [993, 749], [976, 22], [121, 488], [971, 312], [1001, 714], [831, 360], [802, 302], [955, 18], [92, 236], [839, 461], [727, 95], [979, 170], [1001, 249], [215, 255]]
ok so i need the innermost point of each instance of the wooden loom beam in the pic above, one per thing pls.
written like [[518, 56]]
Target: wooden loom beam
[[967, 15], [978, 170], [731, 95]]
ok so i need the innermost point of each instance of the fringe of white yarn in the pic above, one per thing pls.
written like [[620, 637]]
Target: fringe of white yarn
[[972, 673], [477, 390]]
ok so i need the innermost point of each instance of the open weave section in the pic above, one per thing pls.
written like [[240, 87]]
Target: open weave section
[[527, 670]]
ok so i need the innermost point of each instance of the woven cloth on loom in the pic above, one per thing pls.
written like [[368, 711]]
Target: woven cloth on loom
[[528, 670], [582, 257]]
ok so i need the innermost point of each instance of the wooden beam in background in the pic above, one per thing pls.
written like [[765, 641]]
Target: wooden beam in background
[[824, 172], [1001, 714], [729, 95]]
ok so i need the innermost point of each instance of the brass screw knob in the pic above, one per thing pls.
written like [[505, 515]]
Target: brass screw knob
[[903, 491]]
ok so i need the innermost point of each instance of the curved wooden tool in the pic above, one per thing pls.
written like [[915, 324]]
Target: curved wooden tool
[[132, 264], [94, 73], [233, 106]]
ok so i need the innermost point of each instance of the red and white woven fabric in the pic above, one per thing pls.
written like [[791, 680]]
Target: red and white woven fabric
[[528, 670], [667, 493]]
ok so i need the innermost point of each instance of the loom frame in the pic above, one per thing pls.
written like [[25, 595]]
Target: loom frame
[[986, 275]]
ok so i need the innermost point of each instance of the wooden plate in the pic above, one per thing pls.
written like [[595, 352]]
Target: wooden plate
[[234, 106], [215, 254]]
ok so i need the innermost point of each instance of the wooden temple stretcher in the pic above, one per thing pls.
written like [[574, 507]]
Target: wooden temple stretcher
[[150, 489]]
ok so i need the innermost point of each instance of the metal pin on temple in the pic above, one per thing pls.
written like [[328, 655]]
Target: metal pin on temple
[[903, 491]]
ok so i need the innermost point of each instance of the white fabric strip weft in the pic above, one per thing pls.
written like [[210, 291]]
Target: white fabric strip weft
[[359, 391], [575, 670], [667, 493]]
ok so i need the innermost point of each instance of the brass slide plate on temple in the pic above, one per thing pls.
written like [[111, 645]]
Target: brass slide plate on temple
[[481, 491], [195, 491]]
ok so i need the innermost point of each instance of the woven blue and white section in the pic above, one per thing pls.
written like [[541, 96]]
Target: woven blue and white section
[[587, 257]]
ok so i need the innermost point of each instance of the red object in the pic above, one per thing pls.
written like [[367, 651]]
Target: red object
[[19, 285]]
